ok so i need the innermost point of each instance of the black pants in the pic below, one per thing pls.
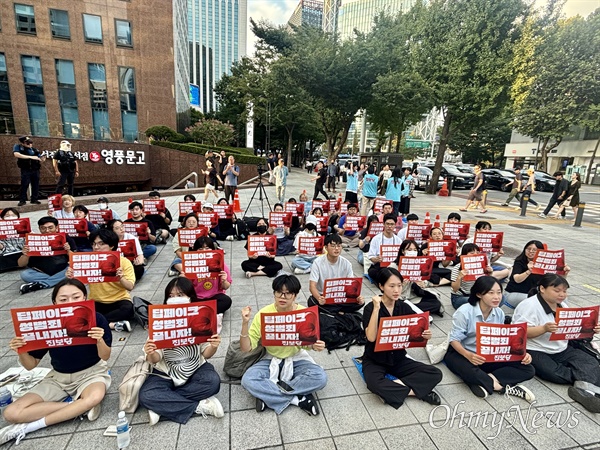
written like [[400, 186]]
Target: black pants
[[553, 201], [138, 269], [345, 308], [374, 271], [438, 273], [270, 270], [351, 197], [67, 178], [116, 311], [230, 193], [566, 367], [10, 262], [30, 177], [507, 373], [223, 302], [331, 183], [319, 189], [418, 377]]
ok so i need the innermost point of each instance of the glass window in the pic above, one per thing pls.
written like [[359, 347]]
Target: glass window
[[67, 97], [99, 101], [123, 30], [34, 94], [25, 18], [59, 24], [7, 124], [92, 28], [129, 120]]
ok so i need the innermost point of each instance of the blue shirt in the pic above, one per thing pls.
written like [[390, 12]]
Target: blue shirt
[[406, 181], [393, 190], [370, 185], [464, 323], [352, 182]]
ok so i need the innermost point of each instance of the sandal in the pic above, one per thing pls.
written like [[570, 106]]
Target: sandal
[[483, 211], [462, 209]]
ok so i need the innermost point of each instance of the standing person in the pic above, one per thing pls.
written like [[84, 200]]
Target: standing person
[[393, 191], [66, 168], [331, 176], [308, 165], [529, 189], [320, 180], [280, 173], [572, 197], [559, 193], [29, 160], [231, 174], [369, 191], [515, 187], [476, 192], [351, 185], [210, 180], [384, 176], [271, 163], [407, 182], [11, 248]]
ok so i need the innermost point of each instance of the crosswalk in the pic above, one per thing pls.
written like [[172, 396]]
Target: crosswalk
[[591, 213]]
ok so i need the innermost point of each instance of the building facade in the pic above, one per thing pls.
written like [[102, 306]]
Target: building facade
[[217, 38], [98, 70], [307, 12], [360, 14]]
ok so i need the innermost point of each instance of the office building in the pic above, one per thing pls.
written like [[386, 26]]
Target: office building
[[307, 12], [359, 14]]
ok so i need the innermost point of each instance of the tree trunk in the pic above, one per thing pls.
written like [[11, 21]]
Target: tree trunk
[[290, 132], [437, 170], [390, 143], [589, 171], [398, 143]]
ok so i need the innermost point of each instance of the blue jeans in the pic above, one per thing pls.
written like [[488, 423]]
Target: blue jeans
[[31, 276], [308, 378], [148, 250], [303, 262], [458, 299]]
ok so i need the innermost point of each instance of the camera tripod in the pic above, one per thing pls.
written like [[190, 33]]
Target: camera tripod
[[262, 196]]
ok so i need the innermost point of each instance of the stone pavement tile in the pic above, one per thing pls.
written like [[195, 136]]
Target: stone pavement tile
[[108, 416], [452, 439], [346, 415], [541, 433], [448, 376], [461, 397], [32, 442], [211, 433], [371, 441], [543, 397], [241, 399], [498, 437], [128, 355], [578, 426], [141, 438], [338, 385], [357, 380], [312, 428], [254, 430], [443, 326], [64, 428], [116, 373], [407, 438], [320, 444], [345, 356], [326, 360], [590, 415], [384, 415]]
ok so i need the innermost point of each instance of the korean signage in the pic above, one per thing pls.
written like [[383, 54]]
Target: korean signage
[[375, 228], [14, 228], [209, 220], [475, 266], [442, 250], [488, 241], [100, 216], [549, 261], [138, 229], [187, 236], [224, 211], [456, 230], [342, 290], [415, 268], [355, 223], [280, 219], [202, 264], [119, 157], [575, 323], [46, 244], [55, 202], [312, 246], [497, 342], [154, 206], [401, 332], [285, 329], [73, 227], [95, 267], [265, 245], [186, 208], [418, 231], [297, 209], [128, 248], [388, 254], [179, 325]]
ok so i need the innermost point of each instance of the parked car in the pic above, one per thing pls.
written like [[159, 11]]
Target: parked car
[[424, 176], [461, 180], [498, 179]]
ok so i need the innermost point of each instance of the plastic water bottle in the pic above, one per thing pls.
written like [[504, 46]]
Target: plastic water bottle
[[5, 398], [123, 438]]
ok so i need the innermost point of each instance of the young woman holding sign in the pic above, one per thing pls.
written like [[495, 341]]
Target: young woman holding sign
[[208, 289], [415, 379], [116, 225], [190, 221], [440, 275], [189, 382], [78, 371], [257, 266], [484, 378], [555, 360], [461, 288]]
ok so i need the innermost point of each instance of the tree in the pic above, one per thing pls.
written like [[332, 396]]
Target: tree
[[486, 144], [162, 133], [212, 131]]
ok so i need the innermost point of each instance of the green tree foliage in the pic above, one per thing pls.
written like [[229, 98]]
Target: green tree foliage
[[211, 131], [485, 145], [162, 133]]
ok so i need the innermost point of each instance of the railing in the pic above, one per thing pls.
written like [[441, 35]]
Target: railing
[[191, 174]]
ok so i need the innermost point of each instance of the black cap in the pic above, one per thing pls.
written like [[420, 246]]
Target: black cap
[[24, 139], [102, 200]]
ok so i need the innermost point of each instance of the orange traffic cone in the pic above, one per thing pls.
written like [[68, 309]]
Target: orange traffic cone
[[236, 203], [427, 218], [437, 222], [129, 216], [444, 190]]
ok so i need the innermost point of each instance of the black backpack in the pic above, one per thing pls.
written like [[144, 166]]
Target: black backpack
[[241, 229], [140, 311], [341, 330]]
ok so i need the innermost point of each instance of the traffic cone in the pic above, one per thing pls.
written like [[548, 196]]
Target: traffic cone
[[427, 218], [444, 190], [437, 222], [236, 203], [129, 216]]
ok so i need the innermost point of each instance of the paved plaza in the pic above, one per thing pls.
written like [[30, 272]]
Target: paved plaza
[[351, 417]]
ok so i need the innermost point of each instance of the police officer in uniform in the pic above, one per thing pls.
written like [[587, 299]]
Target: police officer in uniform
[[29, 161], [66, 167]]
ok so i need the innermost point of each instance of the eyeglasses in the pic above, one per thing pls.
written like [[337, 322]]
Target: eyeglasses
[[98, 244], [286, 295], [48, 228], [335, 245]]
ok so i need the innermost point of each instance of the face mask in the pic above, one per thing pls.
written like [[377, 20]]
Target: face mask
[[310, 227], [102, 205], [178, 300], [261, 229], [411, 253]]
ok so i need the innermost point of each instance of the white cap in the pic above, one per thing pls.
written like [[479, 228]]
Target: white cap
[[312, 219], [208, 205], [64, 145]]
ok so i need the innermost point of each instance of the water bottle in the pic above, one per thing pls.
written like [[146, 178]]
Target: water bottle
[[5, 398], [123, 438]]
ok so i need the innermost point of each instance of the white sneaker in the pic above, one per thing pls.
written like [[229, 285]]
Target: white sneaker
[[210, 407], [229, 238], [519, 391], [154, 418], [173, 273], [299, 271], [16, 432], [542, 215], [123, 325], [94, 413]]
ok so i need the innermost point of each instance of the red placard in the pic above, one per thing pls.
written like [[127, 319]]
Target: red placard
[[355, 223], [55, 202], [401, 332], [334, 204], [475, 266], [54, 325], [154, 206], [418, 231], [128, 248], [100, 216], [280, 219], [95, 267], [497, 342], [179, 325], [375, 228], [224, 211], [138, 229], [416, 268], [575, 323], [73, 227], [209, 220], [342, 290], [14, 228], [187, 236], [324, 205], [344, 208], [312, 246], [549, 261], [186, 208], [489, 241], [46, 244], [388, 254], [442, 250], [297, 209], [202, 264], [378, 205], [286, 329], [265, 245], [323, 223], [456, 230]]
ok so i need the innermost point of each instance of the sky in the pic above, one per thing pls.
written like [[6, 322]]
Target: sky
[[279, 11]]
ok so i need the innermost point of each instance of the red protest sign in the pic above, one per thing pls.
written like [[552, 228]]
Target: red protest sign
[[14, 228], [154, 206], [95, 267], [286, 329], [179, 325], [456, 230], [497, 342], [378, 205], [297, 209], [342, 290], [312, 246], [55, 202], [262, 245], [186, 208], [488, 241], [202, 264], [475, 266], [401, 332], [46, 244], [187, 236], [575, 323], [54, 325], [415, 268], [418, 231], [128, 248], [344, 208], [224, 211], [375, 228], [549, 261], [73, 227], [323, 223], [280, 219], [209, 220], [442, 250], [100, 216], [355, 223], [324, 205], [334, 204], [138, 229], [388, 254]]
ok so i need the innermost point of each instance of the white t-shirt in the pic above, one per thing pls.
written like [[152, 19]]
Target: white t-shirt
[[379, 240], [323, 270]]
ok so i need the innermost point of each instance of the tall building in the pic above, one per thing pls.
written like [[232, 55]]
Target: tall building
[[359, 14], [307, 12], [94, 70], [217, 38], [331, 10]]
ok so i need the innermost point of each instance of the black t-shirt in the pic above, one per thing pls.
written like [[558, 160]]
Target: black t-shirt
[[51, 265], [518, 177], [74, 358], [151, 226], [65, 160], [211, 178], [158, 221], [530, 282], [322, 176], [478, 177]]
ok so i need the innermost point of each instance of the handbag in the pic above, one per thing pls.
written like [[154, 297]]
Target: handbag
[[129, 389], [140, 311], [237, 362], [437, 352]]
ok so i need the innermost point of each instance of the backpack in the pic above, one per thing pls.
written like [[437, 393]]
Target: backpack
[[241, 230], [237, 362], [341, 330], [140, 311]]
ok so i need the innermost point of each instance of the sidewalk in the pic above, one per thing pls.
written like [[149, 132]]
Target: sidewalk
[[351, 417]]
